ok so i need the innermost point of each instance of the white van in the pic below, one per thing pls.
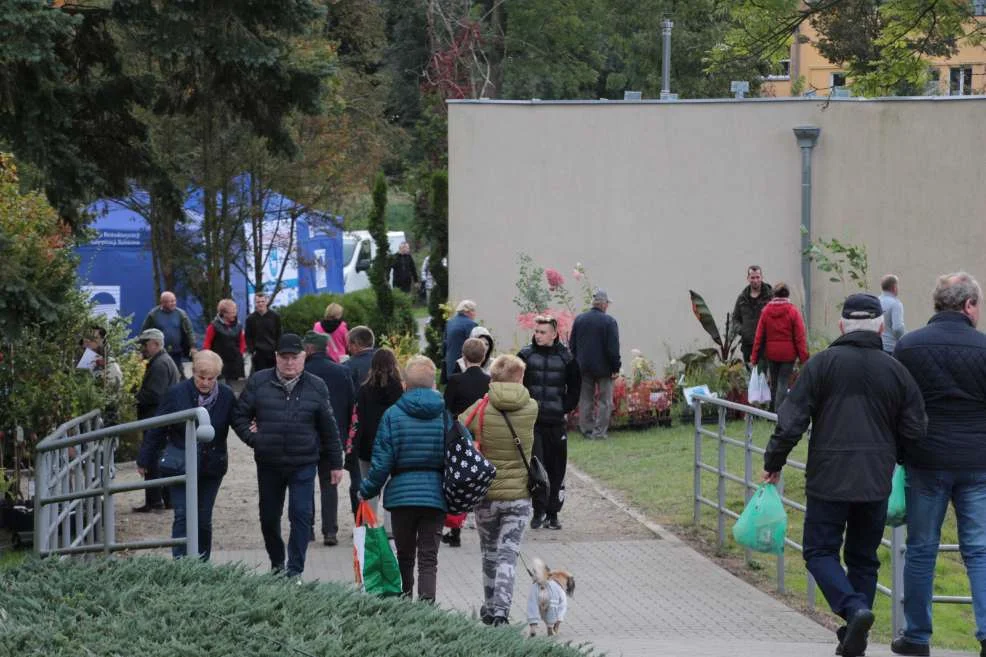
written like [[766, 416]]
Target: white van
[[358, 251]]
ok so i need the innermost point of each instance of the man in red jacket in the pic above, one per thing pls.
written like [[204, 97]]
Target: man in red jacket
[[781, 340]]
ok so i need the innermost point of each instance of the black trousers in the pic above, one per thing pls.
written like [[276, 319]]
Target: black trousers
[[263, 360], [156, 496], [417, 536], [551, 447]]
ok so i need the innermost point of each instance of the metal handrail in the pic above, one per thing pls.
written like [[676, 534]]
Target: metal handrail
[[897, 543], [79, 487]]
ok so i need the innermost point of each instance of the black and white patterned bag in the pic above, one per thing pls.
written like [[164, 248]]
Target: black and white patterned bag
[[468, 474]]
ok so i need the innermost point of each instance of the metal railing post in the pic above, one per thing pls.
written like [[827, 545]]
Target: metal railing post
[[105, 474], [721, 526], [191, 490], [898, 549], [40, 511], [697, 485], [748, 474], [780, 557]]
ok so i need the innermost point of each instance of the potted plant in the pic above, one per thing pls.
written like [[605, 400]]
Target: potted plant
[[717, 366]]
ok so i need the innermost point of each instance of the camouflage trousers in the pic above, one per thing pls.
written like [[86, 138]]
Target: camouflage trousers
[[501, 526]]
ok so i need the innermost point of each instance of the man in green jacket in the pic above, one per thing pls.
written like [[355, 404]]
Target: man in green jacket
[[749, 304], [502, 517]]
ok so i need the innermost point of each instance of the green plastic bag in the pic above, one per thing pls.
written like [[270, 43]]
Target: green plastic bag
[[763, 523], [374, 563], [897, 504]]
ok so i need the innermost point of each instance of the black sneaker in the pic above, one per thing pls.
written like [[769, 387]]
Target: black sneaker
[[453, 538], [330, 540], [537, 521], [902, 646], [552, 522], [148, 508], [857, 629], [841, 634]]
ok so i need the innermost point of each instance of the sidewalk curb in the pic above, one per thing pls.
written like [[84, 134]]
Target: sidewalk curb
[[614, 499]]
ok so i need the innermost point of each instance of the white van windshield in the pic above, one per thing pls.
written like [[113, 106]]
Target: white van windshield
[[348, 246]]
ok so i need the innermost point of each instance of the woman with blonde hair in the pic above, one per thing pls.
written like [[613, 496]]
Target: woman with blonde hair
[[503, 424], [332, 325], [225, 336], [204, 390]]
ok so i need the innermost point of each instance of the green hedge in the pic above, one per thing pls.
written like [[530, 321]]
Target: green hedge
[[359, 308], [155, 607]]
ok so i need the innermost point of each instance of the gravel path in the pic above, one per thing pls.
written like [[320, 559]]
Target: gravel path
[[587, 515]]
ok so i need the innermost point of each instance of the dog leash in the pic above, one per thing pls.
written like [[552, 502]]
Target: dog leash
[[526, 567]]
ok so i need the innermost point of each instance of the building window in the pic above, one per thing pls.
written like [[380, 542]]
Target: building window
[[782, 70], [960, 81], [979, 7], [837, 86], [933, 87]]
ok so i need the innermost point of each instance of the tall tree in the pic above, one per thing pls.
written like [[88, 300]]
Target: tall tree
[[380, 268], [438, 300]]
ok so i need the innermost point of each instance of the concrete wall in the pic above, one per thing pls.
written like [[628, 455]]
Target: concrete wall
[[657, 198]]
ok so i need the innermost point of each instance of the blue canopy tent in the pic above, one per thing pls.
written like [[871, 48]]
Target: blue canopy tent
[[116, 268]]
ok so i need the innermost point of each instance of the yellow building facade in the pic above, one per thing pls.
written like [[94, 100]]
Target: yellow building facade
[[961, 75]]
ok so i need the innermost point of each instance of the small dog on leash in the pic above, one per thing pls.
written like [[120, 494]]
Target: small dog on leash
[[548, 600]]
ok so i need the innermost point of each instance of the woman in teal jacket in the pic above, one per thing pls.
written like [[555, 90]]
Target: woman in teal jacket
[[409, 450]]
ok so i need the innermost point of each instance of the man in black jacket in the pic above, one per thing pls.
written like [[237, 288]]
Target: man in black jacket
[[404, 271], [285, 416], [342, 397], [161, 373], [865, 410], [749, 305], [263, 330], [596, 346], [948, 360], [465, 388], [553, 379]]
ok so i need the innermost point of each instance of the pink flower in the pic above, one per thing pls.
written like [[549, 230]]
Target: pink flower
[[555, 279], [576, 274]]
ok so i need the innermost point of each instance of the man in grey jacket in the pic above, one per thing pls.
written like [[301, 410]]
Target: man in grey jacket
[[161, 373], [893, 313]]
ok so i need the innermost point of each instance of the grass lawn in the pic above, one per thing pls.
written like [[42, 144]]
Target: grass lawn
[[12, 558], [653, 470]]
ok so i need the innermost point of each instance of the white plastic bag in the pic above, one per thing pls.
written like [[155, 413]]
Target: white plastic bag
[[758, 392]]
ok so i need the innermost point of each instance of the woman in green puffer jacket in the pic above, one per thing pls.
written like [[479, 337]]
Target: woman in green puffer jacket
[[502, 517]]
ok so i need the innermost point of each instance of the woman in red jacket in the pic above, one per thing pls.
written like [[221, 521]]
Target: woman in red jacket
[[780, 340]]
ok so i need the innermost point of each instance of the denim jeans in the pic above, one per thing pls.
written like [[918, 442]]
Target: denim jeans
[[928, 494], [847, 591], [299, 483], [208, 490]]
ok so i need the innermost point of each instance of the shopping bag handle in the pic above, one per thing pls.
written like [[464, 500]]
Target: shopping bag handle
[[365, 515]]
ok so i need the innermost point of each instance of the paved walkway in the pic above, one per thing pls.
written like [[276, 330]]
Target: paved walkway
[[650, 594]]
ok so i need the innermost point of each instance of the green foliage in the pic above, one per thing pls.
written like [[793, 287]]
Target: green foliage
[[38, 272], [533, 295], [157, 607], [847, 264], [716, 366], [381, 263], [882, 46], [438, 212], [359, 308]]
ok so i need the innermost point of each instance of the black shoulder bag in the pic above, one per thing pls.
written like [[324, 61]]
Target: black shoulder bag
[[537, 477]]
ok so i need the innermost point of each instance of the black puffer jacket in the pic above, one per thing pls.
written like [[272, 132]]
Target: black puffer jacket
[[293, 429], [948, 360], [865, 410], [553, 379]]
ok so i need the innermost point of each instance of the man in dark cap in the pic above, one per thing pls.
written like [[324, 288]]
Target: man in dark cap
[[866, 412], [160, 374], [285, 416], [342, 397]]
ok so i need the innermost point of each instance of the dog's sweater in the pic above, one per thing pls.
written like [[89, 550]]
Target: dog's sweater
[[557, 604]]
